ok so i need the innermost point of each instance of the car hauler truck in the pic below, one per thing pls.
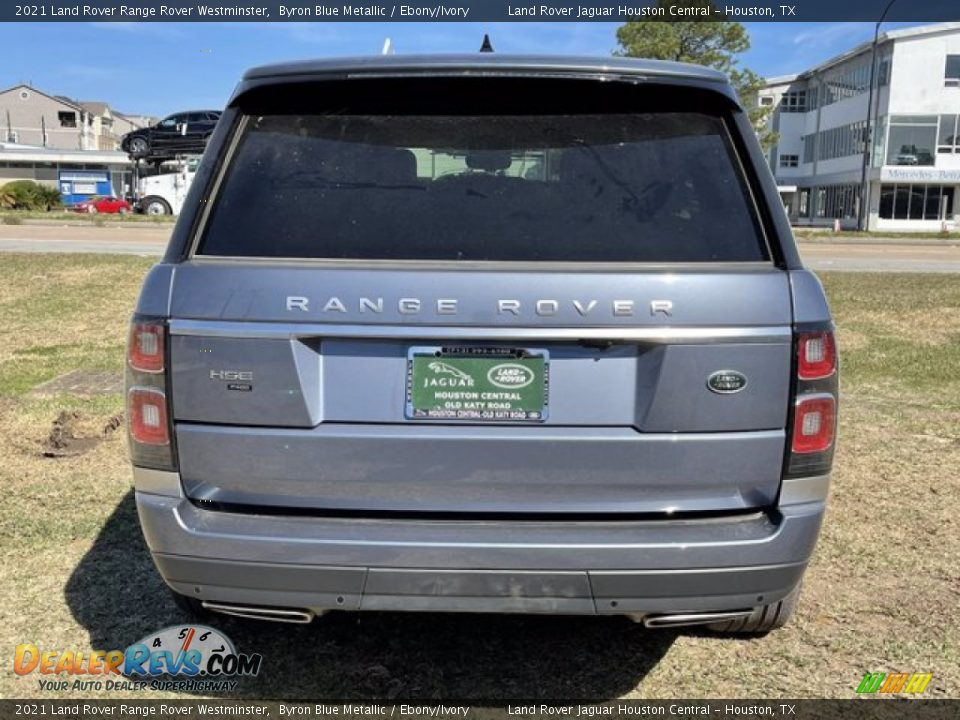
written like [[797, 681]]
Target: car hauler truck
[[164, 193]]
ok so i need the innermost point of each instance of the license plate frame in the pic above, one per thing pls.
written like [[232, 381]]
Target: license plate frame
[[478, 384]]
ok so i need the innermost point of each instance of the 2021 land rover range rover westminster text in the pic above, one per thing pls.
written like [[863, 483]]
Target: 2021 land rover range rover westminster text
[[483, 333]]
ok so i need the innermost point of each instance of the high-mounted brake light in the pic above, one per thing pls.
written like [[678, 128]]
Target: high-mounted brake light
[[145, 347], [147, 409], [814, 420], [817, 355]]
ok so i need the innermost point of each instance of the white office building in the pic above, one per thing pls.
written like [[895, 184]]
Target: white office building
[[913, 178]]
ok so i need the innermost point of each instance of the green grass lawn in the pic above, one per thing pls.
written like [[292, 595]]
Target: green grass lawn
[[881, 594]]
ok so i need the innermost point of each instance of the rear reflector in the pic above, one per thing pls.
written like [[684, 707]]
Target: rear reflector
[[814, 419], [147, 410], [817, 355], [145, 347]]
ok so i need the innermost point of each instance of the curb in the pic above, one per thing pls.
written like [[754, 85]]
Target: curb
[[879, 240], [89, 223]]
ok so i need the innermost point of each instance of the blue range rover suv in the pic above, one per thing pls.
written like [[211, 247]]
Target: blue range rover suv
[[484, 333]]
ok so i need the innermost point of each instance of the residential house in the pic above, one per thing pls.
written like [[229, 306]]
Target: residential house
[[31, 117]]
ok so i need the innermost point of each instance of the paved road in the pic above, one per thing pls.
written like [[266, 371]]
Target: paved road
[[148, 240], [882, 258], [151, 240]]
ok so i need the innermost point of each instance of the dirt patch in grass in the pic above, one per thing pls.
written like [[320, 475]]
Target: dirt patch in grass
[[63, 441], [68, 437], [882, 593]]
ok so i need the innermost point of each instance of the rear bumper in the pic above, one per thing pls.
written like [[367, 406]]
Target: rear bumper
[[715, 564]]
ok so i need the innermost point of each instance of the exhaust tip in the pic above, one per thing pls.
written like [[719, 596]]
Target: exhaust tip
[[254, 612], [688, 619]]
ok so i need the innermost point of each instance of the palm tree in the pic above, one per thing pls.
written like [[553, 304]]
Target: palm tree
[[7, 199]]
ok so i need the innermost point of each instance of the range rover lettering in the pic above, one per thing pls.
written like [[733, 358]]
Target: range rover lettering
[[484, 334]]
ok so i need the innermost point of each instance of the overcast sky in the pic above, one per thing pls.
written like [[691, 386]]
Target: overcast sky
[[159, 68]]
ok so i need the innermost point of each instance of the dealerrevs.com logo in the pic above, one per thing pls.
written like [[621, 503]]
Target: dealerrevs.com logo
[[180, 657]]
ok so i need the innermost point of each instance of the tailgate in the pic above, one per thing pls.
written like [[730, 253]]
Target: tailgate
[[292, 388]]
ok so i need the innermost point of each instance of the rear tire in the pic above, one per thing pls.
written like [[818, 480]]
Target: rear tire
[[764, 618]]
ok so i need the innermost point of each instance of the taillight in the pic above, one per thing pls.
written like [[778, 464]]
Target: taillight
[[147, 408], [814, 419], [816, 355], [148, 416], [812, 425], [145, 347]]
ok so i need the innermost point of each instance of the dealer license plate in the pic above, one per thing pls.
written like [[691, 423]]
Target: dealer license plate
[[477, 383]]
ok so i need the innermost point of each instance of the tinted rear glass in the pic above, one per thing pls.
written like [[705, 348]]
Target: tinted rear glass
[[657, 187]]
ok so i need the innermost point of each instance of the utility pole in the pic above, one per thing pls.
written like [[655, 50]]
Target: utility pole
[[868, 139]]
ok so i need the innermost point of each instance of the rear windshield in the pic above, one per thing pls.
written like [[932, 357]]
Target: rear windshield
[[659, 187]]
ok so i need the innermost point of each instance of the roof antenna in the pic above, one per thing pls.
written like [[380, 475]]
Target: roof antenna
[[486, 46]]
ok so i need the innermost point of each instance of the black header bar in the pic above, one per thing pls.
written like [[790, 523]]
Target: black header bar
[[473, 11]]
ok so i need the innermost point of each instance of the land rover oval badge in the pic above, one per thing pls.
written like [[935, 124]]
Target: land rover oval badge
[[726, 382]]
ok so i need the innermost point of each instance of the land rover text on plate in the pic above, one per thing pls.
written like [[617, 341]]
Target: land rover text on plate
[[483, 333]]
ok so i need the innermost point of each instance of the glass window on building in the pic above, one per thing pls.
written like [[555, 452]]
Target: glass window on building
[[840, 141], [837, 201], [951, 71], [847, 82], [901, 202], [794, 101], [912, 139], [789, 161], [883, 72], [916, 202], [45, 171], [803, 202], [809, 145], [879, 134], [948, 140]]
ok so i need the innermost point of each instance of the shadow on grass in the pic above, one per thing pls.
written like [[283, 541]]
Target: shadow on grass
[[116, 594]]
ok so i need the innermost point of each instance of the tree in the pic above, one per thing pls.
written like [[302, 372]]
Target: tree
[[703, 42]]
